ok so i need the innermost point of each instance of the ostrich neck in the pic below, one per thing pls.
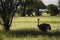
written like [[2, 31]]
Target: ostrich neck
[[38, 22]]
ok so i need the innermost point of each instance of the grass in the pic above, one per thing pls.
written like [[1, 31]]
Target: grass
[[25, 28]]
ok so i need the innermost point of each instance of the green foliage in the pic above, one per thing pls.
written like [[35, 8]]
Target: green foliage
[[23, 14], [39, 5], [35, 5], [53, 9], [29, 12]]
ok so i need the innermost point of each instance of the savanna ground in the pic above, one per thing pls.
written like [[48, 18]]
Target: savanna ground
[[25, 28]]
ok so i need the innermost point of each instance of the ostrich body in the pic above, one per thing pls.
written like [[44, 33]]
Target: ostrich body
[[44, 27]]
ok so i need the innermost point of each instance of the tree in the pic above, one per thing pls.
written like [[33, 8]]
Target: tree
[[59, 5], [29, 12], [29, 2], [39, 5], [7, 11], [29, 7], [23, 5], [53, 9]]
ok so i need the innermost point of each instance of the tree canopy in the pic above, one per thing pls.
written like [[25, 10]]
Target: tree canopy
[[53, 9], [7, 11]]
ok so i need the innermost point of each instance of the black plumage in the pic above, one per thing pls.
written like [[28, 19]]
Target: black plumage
[[44, 26]]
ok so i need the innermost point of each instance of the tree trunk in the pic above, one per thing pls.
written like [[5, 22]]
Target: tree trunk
[[6, 27]]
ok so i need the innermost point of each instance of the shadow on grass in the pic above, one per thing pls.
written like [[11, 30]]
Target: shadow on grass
[[34, 33]]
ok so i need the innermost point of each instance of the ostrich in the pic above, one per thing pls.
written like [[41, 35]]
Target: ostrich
[[44, 27]]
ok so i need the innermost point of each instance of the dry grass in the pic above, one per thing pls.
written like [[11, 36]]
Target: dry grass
[[25, 28]]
